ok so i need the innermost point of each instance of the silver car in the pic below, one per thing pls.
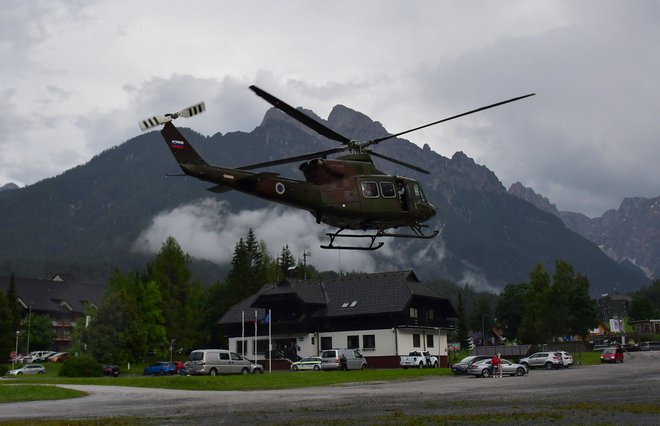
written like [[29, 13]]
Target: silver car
[[547, 360], [483, 369], [461, 366], [28, 369]]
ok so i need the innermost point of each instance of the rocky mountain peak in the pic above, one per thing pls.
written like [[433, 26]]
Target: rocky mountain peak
[[519, 190], [8, 187]]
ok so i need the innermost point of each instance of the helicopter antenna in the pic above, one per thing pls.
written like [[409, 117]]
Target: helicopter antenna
[[156, 120]]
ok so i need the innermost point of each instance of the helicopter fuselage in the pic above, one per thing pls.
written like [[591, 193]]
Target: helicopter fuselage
[[348, 192]]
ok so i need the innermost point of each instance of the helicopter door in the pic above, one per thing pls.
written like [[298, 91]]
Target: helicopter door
[[403, 194]]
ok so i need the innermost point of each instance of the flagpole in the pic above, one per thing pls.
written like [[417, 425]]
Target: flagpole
[[243, 333], [255, 336], [270, 343]]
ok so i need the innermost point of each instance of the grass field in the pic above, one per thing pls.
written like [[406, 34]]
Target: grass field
[[275, 380]]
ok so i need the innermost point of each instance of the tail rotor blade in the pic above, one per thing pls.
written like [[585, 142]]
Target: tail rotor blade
[[149, 123], [193, 110]]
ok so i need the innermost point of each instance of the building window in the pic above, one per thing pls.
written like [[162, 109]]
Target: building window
[[417, 341], [241, 348], [353, 342], [369, 341], [429, 340], [326, 342], [429, 314], [414, 313]]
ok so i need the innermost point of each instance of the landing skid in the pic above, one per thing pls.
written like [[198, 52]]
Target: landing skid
[[375, 245]]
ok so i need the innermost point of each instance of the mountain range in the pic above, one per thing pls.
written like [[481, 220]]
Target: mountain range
[[629, 234], [89, 218]]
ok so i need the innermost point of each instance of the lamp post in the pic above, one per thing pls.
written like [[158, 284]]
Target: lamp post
[[16, 351], [171, 346], [27, 351], [483, 331]]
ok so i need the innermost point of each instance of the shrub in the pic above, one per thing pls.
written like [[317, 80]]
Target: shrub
[[81, 366], [3, 370]]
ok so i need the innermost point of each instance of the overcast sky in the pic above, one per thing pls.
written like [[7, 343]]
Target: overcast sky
[[77, 76]]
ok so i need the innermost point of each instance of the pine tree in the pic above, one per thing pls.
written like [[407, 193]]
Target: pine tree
[[461, 324]]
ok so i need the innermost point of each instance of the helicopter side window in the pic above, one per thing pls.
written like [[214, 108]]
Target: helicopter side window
[[370, 189], [387, 189], [419, 194]]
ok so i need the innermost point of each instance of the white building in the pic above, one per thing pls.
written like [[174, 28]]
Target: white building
[[384, 315]]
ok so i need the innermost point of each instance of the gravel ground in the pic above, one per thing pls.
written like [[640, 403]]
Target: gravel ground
[[620, 394]]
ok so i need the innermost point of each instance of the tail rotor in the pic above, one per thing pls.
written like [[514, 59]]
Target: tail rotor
[[157, 120]]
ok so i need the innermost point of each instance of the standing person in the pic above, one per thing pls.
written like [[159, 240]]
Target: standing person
[[494, 364], [499, 365], [343, 363]]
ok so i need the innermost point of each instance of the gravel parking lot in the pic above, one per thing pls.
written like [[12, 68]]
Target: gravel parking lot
[[627, 393]]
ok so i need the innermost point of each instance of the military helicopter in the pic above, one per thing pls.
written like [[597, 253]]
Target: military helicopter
[[348, 192]]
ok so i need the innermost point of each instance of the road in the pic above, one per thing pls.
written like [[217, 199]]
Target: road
[[627, 393]]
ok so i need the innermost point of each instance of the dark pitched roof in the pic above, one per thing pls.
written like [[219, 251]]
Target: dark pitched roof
[[54, 295], [368, 294]]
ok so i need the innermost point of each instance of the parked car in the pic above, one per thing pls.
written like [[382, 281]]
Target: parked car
[[178, 365], [419, 360], [649, 346], [28, 369], [461, 366], [44, 356], [331, 359], [219, 361], [482, 368], [59, 357], [110, 370], [612, 355], [547, 360], [566, 358], [160, 368], [309, 363]]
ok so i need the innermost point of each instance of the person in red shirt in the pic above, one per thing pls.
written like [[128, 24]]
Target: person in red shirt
[[494, 365]]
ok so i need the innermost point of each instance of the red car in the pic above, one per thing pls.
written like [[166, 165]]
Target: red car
[[612, 355], [178, 365]]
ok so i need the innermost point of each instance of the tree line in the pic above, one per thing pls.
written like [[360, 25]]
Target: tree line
[[539, 311]]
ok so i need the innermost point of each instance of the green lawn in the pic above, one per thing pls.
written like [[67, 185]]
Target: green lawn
[[36, 393], [275, 380]]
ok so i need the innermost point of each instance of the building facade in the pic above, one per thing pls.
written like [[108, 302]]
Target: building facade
[[384, 315], [61, 298]]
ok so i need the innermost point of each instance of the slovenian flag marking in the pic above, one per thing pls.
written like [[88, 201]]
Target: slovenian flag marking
[[177, 144]]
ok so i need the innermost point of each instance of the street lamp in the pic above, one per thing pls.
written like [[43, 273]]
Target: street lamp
[[28, 335], [171, 345], [483, 331], [16, 351]]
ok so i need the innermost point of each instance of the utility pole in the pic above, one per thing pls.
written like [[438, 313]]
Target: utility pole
[[28, 336], [305, 255]]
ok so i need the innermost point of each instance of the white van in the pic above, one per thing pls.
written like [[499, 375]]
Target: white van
[[219, 361], [331, 359]]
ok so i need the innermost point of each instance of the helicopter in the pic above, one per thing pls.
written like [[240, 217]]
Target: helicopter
[[348, 193]]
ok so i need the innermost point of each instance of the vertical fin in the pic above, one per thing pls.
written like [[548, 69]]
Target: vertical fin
[[180, 147]]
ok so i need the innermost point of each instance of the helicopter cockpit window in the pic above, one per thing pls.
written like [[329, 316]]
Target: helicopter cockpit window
[[387, 189], [370, 189], [419, 194]]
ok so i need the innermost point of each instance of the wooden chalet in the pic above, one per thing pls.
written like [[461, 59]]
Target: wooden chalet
[[62, 298], [384, 315]]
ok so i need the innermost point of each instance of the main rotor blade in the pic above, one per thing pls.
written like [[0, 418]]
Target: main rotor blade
[[293, 159], [375, 141], [300, 116], [399, 162]]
